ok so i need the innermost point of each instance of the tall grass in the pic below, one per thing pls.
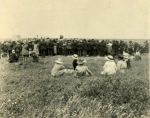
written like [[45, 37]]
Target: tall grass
[[33, 92]]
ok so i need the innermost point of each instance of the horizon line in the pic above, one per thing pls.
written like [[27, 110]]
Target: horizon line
[[83, 38]]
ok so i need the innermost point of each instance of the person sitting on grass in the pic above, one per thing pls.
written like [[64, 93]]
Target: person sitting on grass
[[74, 63], [13, 57], [35, 57], [110, 67], [138, 55], [59, 69], [121, 64], [82, 70]]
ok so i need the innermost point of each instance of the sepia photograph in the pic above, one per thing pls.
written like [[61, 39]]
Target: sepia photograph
[[74, 59]]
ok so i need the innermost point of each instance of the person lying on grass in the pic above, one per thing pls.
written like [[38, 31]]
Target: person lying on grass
[[59, 69], [121, 64], [74, 63], [82, 70], [109, 67]]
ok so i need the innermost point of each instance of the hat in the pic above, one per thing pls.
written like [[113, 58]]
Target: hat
[[13, 51], [109, 57], [81, 61], [59, 61], [75, 56]]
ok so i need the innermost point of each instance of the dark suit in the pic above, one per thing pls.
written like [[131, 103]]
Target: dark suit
[[43, 47]]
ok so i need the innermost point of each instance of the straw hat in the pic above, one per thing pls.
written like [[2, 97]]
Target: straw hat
[[75, 56], [109, 57], [59, 61]]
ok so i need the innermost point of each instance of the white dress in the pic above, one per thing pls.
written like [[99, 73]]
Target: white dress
[[36, 49], [109, 68], [121, 66]]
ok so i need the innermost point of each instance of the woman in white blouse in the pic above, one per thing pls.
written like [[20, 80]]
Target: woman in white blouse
[[121, 64], [110, 67]]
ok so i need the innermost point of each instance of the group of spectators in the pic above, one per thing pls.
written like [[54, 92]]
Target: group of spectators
[[76, 47], [80, 70], [81, 47]]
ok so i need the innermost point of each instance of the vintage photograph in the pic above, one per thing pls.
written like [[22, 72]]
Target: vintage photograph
[[74, 58]]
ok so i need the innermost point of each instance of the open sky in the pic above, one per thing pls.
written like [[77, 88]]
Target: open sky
[[121, 19]]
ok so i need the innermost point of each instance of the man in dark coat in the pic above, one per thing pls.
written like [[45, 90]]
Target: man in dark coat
[[94, 45], [146, 47], [68, 47], [64, 48], [84, 47], [130, 48], [9, 48], [47, 49], [74, 46], [60, 44], [99, 47], [13, 57], [51, 47], [89, 48], [18, 48], [104, 48], [43, 47], [79, 48]]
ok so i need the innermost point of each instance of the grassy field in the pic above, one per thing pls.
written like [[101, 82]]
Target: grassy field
[[33, 93]]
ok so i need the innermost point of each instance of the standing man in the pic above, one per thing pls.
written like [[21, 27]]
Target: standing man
[[84, 47], [60, 44], [109, 48], [9, 48], [43, 47], [130, 48]]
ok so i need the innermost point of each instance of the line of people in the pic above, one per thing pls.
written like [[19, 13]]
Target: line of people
[[82, 47], [80, 70]]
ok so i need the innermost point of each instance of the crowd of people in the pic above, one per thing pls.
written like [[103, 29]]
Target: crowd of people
[[81, 47], [78, 48]]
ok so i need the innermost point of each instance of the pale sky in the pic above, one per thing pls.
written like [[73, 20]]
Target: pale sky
[[121, 19]]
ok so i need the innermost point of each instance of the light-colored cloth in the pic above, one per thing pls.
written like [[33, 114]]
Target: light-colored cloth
[[58, 70], [109, 49], [55, 48], [138, 53], [121, 66], [82, 71], [138, 57], [25, 51], [109, 68], [59, 73], [35, 49]]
